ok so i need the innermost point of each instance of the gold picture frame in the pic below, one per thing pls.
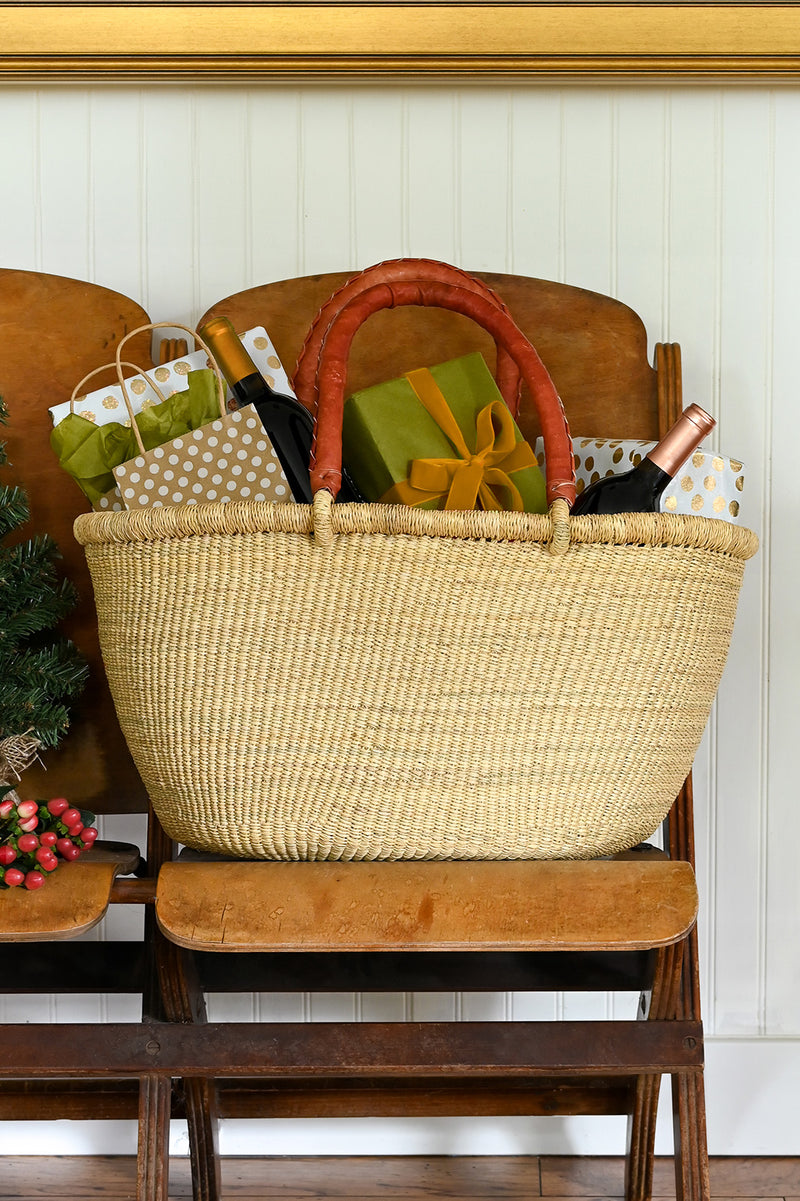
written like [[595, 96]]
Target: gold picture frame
[[426, 42]]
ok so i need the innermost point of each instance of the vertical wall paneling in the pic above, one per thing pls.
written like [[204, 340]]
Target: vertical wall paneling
[[692, 319], [781, 532], [220, 187], [19, 178], [63, 170], [115, 193], [744, 418], [683, 203], [379, 179], [640, 268], [484, 179], [326, 179], [433, 214], [588, 164], [274, 152], [536, 184], [170, 290]]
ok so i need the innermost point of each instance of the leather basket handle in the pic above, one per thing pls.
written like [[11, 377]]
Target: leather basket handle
[[304, 380], [326, 472]]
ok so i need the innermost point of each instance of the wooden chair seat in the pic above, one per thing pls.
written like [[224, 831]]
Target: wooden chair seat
[[487, 906], [74, 899]]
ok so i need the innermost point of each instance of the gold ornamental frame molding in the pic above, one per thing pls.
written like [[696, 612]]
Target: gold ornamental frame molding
[[378, 40]]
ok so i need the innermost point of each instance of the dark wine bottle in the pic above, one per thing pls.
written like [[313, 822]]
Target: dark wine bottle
[[288, 423], [639, 490]]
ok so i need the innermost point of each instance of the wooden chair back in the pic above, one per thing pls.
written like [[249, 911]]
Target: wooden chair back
[[53, 331], [594, 347]]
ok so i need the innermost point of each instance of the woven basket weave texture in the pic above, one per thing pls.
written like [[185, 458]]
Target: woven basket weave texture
[[430, 685]]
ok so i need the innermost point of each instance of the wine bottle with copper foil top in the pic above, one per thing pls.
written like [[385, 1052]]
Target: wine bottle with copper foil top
[[639, 490], [288, 423]]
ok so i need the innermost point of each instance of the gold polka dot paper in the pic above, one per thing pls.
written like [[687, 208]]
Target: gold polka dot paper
[[108, 404], [229, 459], [708, 484], [111, 502]]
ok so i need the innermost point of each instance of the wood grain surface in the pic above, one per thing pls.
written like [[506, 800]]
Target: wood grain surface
[[412, 1178], [405, 905]]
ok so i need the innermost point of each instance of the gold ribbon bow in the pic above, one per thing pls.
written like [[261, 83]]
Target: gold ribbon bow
[[469, 479]]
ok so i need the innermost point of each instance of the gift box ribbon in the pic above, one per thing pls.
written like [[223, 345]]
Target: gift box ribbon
[[471, 477]]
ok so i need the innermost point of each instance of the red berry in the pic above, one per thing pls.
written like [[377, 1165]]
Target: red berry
[[89, 834], [5, 808], [76, 830], [49, 864], [7, 855], [14, 876], [29, 824], [34, 880], [49, 838], [27, 842], [71, 853], [71, 817], [64, 844], [27, 809], [57, 805]]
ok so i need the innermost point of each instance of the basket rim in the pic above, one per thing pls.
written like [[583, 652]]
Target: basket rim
[[165, 523]]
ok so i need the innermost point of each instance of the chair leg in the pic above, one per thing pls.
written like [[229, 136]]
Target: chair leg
[[201, 1115], [691, 1150], [184, 1002], [689, 1100], [642, 1139], [152, 1166], [661, 1005]]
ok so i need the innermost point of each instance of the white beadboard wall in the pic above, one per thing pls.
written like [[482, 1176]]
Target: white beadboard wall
[[681, 201]]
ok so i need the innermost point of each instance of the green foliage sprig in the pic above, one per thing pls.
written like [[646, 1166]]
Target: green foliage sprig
[[41, 673]]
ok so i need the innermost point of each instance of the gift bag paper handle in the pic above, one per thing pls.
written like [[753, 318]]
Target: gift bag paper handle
[[119, 363]]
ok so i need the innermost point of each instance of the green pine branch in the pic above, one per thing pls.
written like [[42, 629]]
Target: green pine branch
[[14, 508], [41, 673], [32, 595]]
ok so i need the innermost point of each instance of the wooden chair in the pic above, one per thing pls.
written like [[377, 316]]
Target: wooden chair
[[624, 924], [52, 332], [563, 926]]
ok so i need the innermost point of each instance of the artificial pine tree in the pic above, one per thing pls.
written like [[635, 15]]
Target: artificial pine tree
[[41, 672]]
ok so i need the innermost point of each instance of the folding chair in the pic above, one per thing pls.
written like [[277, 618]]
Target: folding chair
[[54, 330], [626, 923]]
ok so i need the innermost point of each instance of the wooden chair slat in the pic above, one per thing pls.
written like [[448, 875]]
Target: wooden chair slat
[[485, 906], [73, 900]]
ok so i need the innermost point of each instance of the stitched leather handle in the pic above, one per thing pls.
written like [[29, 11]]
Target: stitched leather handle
[[304, 380], [326, 472]]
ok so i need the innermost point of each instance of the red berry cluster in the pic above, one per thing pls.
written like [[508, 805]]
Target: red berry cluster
[[36, 836]]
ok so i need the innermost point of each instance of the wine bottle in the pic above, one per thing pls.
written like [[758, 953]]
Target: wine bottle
[[288, 423], [639, 490]]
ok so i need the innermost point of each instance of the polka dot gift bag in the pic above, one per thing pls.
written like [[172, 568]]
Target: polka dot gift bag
[[230, 458], [179, 445]]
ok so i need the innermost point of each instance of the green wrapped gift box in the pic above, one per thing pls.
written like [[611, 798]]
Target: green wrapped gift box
[[440, 438]]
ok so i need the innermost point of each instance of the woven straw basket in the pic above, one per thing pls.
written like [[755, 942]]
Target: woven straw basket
[[370, 681]]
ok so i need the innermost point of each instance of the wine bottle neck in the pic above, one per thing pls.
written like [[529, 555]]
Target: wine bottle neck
[[226, 345], [685, 436]]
